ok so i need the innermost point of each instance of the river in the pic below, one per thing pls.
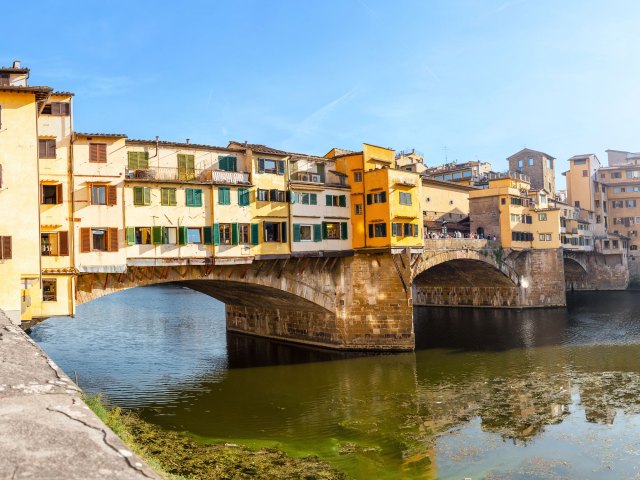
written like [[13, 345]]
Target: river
[[545, 393]]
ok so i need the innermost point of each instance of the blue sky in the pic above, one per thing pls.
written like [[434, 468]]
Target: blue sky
[[467, 79]]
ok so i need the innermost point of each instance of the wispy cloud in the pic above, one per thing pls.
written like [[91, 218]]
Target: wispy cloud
[[310, 124], [508, 4]]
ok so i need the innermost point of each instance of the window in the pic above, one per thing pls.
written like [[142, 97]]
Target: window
[[376, 198], [520, 163], [243, 233], [615, 244], [225, 234], [228, 163], [279, 196], [331, 230], [543, 199], [262, 195], [531, 162], [138, 160], [51, 194], [49, 290], [596, 203], [516, 201], [577, 203], [542, 217], [357, 176], [631, 203], [410, 230], [46, 148], [275, 167], [57, 108], [5, 80], [308, 198], [98, 194], [405, 198], [336, 200], [98, 152], [99, 239], [194, 235], [585, 173], [377, 230], [141, 196], [503, 201], [358, 209], [580, 162], [186, 167], [632, 174], [168, 196], [193, 197], [616, 174], [275, 232], [54, 244], [306, 233], [5, 248], [142, 235], [243, 197], [170, 235]]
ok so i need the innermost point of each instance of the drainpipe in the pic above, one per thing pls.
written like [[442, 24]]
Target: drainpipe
[[72, 223], [39, 199]]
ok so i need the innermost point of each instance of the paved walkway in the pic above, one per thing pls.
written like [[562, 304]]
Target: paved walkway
[[46, 431]]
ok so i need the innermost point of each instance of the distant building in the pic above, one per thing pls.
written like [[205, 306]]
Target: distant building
[[538, 166], [468, 173], [410, 161]]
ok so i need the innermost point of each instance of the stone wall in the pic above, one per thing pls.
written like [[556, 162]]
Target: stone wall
[[595, 271]]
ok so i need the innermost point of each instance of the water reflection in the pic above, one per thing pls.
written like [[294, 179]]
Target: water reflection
[[488, 393]]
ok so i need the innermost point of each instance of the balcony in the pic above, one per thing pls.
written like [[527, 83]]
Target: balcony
[[198, 175], [313, 178]]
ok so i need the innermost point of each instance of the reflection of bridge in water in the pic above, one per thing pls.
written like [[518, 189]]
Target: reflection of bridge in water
[[364, 301]]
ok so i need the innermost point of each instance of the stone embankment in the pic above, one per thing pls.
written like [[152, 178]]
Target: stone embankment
[[46, 430]]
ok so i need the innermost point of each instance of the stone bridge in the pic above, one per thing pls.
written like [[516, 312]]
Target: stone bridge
[[365, 301]]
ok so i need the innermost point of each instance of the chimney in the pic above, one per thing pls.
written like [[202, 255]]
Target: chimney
[[16, 64]]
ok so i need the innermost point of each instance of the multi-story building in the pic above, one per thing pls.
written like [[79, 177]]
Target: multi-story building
[[410, 161], [320, 207], [538, 166], [513, 213], [473, 173], [385, 204], [445, 207], [20, 260]]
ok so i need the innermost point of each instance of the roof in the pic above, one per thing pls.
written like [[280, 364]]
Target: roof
[[65, 94], [350, 154], [258, 148], [580, 157], [445, 183], [14, 70], [180, 145], [104, 135], [532, 151], [297, 156]]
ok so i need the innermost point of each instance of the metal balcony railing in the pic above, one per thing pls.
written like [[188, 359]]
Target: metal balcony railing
[[198, 175]]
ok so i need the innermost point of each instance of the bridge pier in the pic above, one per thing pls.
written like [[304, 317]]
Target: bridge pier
[[373, 309]]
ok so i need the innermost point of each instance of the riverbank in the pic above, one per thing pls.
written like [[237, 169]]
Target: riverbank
[[178, 457]]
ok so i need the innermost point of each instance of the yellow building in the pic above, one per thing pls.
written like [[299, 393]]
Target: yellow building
[[269, 199], [20, 106], [385, 202], [445, 206], [518, 217]]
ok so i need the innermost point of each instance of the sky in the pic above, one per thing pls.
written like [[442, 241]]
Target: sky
[[457, 80]]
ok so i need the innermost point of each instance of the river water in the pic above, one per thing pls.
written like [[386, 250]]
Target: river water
[[500, 394]]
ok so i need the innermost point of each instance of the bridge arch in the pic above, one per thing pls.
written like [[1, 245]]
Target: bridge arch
[[576, 274], [465, 278]]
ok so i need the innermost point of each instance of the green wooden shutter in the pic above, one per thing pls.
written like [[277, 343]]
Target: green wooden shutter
[[156, 235], [325, 233], [313, 199], [255, 231], [216, 234], [383, 197], [296, 232], [138, 194], [182, 166], [172, 197], [146, 194], [243, 197], [317, 232], [222, 163], [344, 230], [343, 200], [234, 234], [132, 163], [329, 200], [197, 198], [189, 195], [233, 164], [182, 235], [131, 235], [283, 232], [143, 160], [261, 165], [164, 196], [371, 230], [369, 198], [208, 235], [407, 230], [280, 167]]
